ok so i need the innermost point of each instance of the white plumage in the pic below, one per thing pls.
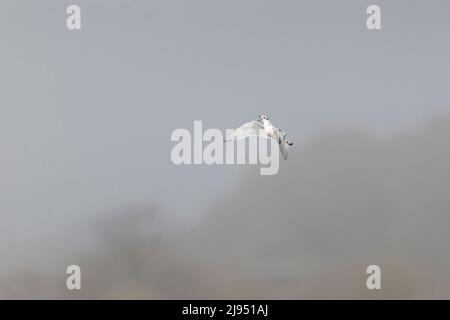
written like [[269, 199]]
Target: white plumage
[[262, 126]]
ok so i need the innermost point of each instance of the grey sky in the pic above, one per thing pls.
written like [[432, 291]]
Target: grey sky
[[86, 116]]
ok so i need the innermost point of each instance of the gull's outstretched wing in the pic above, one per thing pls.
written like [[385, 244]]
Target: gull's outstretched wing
[[283, 143], [248, 128]]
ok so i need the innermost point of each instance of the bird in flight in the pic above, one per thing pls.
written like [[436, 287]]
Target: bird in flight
[[262, 126]]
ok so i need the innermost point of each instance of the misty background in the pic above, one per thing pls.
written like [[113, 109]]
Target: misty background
[[85, 170]]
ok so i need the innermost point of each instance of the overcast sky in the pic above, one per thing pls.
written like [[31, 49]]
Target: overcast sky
[[86, 116]]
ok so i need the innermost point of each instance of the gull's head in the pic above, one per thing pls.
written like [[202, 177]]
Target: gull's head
[[263, 117]]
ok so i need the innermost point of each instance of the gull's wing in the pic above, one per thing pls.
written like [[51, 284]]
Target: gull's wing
[[282, 142], [248, 128]]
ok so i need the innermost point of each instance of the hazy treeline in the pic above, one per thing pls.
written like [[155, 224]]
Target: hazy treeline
[[343, 201]]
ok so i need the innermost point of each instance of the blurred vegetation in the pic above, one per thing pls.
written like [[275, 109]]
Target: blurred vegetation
[[344, 201]]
